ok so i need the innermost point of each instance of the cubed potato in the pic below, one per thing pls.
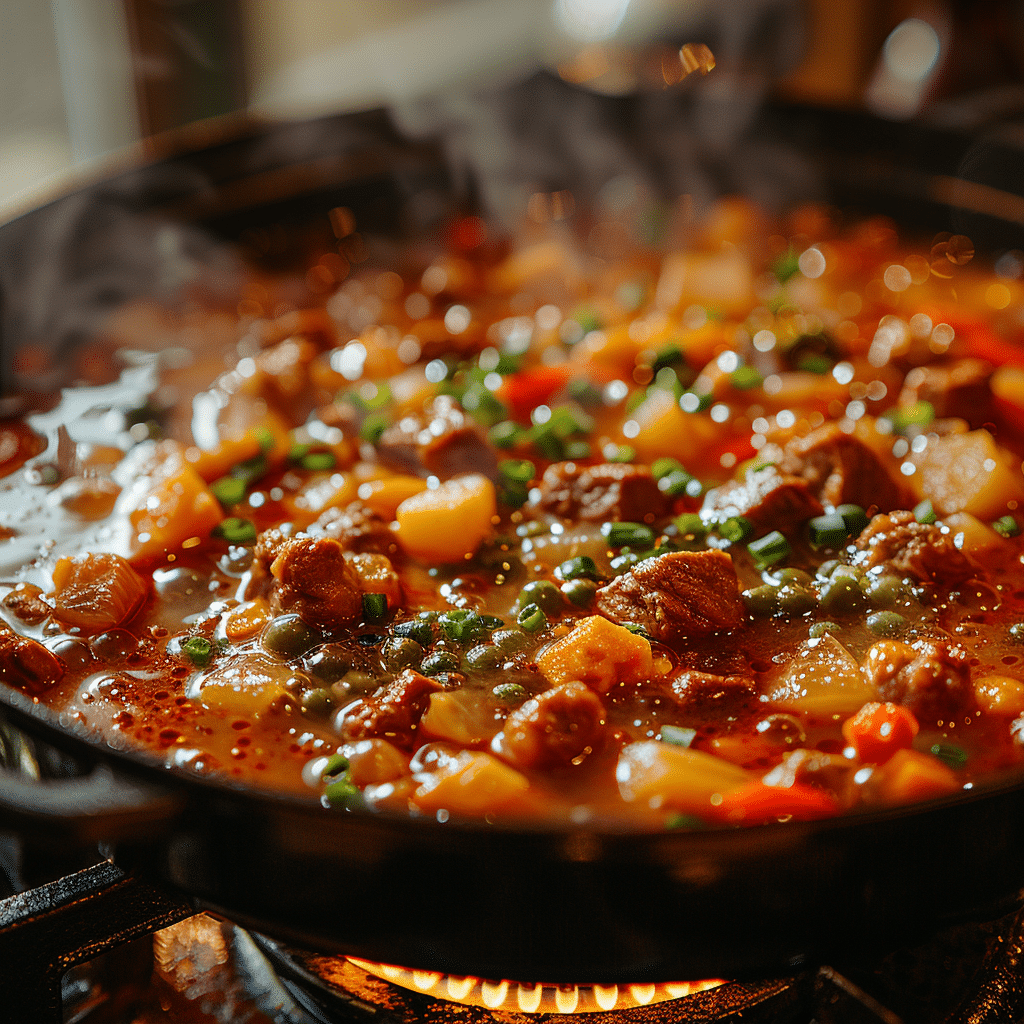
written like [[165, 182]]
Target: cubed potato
[[448, 522], [470, 782], [661, 775], [822, 679], [598, 653]]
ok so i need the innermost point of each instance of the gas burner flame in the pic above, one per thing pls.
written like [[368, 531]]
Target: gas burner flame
[[535, 998]]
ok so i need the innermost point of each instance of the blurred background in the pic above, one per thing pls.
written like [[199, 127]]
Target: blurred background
[[81, 80]]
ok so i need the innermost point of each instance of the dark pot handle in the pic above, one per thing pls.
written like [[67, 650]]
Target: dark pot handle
[[103, 806]]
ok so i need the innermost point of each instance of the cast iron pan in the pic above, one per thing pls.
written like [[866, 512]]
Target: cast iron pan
[[530, 902]]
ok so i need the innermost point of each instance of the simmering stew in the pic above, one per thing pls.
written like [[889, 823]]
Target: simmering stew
[[719, 536]]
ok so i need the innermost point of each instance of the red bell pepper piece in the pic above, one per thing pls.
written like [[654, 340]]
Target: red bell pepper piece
[[877, 731], [522, 392]]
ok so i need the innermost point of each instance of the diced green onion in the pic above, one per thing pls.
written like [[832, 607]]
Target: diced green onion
[[336, 764], [678, 735], [481, 404], [264, 438], [373, 427], [676, 483], [492, 621], [854, 516], [375, 607], [920, 414], [198, 650], [662, 467], [574, 568], [690, 524], [510, 693], [668, 355], [816, 363], [588, 319], [520, 471], [769, 549], [578, 450], [620, 453], [745, 378], [462, 625], [696, 401], [786, 266], [315, 461], [235, 531], [828, 531], [924, 513], [635, 627], [685, 822], [228, 490], [634, 534], [736, 529], [583, 391], [1006, 526], [532, 619], [297, 451], [506, 434], [951, 754], [250, 470], [581, 592]]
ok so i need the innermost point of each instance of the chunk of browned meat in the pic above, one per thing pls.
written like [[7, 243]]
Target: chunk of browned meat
[[554, 727], [769, 499], [957, 389], [393, 713], [27, 663], [680, 594], [930, 677], [840, 468], [444, 443], [610, 490], [26, 602], [356, 528], [711, 697], [315, 580], [926, 551]]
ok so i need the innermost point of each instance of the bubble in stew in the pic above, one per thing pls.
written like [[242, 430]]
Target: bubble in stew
[[723, 535]]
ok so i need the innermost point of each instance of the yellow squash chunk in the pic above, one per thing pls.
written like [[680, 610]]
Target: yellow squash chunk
[[999, 695], [448, 522], [665, 430], [469, 783], [660, 775], [972, 536], [173, 508], [384, 496], [822, 679], [598, 653], [968, 473], [909, 776], [457, 715], [247, 619]]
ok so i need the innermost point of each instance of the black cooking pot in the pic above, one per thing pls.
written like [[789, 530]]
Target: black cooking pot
[[532, 902]]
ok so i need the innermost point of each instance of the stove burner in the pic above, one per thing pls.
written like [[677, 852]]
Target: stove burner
[[535, 998]]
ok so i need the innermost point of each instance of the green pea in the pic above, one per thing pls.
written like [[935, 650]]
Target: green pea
[[819, 629], [400, 652], [886, 623], [544, 594], [352, 684], [762, 601], [841, 593], [580, 591], [788, 575], [288, 636], [415, 629], [886, 591], [511, 641], [795, 600], [439, 661], [328, 662], [317, 702], [510, 693], [483, 656], [462, 625]]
